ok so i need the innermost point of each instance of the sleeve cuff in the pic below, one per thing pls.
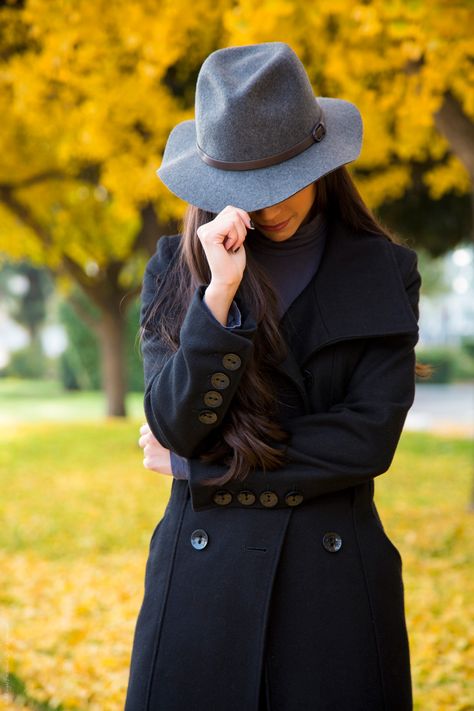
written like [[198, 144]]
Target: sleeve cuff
[[199, 319], [179, 466], [234, 319]]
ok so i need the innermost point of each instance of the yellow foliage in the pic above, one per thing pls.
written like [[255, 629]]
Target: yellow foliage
[[368, 54], [446, 177], [98, 86], [74, 547]]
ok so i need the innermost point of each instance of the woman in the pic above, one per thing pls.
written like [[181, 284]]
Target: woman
[[279, 368]]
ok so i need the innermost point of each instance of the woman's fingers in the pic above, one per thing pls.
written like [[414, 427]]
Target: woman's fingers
[[155, 456], [245, 217], [221, 239], [144, 432], [149, 443], [232, 238], [159, 463], [148, 437]]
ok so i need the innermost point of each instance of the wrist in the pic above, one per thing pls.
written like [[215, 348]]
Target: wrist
[[223, 288], [218, 299]]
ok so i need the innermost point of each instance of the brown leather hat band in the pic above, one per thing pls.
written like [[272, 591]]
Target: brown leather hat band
[[317, 134]]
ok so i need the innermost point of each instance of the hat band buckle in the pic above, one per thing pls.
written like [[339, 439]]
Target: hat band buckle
[[317, 134]]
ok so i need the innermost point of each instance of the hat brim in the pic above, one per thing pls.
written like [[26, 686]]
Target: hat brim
[[212, 189]]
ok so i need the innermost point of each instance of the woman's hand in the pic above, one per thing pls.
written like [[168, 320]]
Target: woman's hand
[[156, 457], [222, 240]]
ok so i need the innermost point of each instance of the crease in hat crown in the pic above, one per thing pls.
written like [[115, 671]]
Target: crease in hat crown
[[259, 133], [255, 103]]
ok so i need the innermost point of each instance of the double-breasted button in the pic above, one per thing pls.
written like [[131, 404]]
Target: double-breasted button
[[207, 417], [246, 497], [268, 499], [199, 539], [222, 497], [212, 398], [293, 498], [221, 381], [332, 541], [231, 361]]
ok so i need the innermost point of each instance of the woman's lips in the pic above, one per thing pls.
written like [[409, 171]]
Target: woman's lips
[[274, 228]]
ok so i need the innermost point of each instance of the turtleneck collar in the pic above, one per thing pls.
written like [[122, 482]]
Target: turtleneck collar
[[305, 234]]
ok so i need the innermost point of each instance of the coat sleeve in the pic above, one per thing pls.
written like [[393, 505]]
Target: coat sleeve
[[177, 383], [234, 318], [355, 440]]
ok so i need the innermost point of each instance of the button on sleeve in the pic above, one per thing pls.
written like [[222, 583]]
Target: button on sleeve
[[349, 444], [175, 382]]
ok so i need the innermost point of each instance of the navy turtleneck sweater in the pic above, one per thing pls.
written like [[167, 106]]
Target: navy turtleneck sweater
[[290, 265]]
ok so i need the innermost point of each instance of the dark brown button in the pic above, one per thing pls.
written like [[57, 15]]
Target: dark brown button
[[212, 398], [222, 497], [268, 498], [207, 417], [332, 541], [231, 361], [293, 498], [246, 497], [221, 381]]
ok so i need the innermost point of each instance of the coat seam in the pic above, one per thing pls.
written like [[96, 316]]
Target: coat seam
[[159, 622], [333, 383], [371, 607], [267, 607]]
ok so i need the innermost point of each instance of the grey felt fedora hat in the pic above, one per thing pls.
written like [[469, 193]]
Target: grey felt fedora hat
[[259, 133]]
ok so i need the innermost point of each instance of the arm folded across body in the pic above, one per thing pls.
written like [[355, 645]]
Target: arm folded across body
[[353, 441], [350, 443], [188, 392]]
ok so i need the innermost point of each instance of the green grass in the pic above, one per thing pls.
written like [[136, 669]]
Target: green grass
[[69, 488], [78, 509], [41, 400], [73, 480]]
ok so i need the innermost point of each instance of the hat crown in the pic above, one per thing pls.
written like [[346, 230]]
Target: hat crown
[[253, 101]]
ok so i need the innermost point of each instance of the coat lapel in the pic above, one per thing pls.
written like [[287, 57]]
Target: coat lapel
[[357, 292]]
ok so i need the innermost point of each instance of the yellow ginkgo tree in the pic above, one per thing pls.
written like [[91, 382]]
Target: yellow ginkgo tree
[[89, 93], [407, 64]]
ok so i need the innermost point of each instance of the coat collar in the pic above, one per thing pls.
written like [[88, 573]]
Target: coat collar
[[357, 292]]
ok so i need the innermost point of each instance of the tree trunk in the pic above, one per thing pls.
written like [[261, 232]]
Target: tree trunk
[[114, 376], [458, 129]]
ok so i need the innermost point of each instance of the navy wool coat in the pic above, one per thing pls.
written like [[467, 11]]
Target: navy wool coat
[[289, 575]]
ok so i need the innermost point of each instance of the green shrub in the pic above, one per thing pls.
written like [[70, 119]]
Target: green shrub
[[467, 345], [80, 364], [27, 362], [133, 354]]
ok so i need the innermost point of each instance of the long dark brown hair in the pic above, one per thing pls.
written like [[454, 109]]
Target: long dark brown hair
[[250, 430]]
